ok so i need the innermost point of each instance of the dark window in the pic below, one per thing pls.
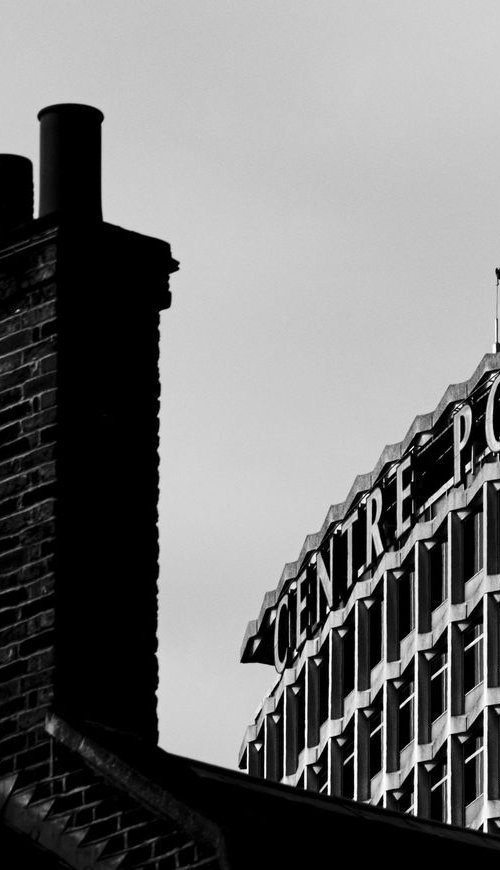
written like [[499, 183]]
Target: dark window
[[406, 800], [300, 697], [438, 573], [439, 684], [348, 658], [375, 632], [317, 695], [348, 765], [473, 655], [307, 615], [275, 743], [323, 687], [321, 773], [322, 601], [406, 803], [406, 698], [295, 723], [339, 558], [473, 768], [439, 791], [375, 743], [358, 549], [256, 755], [323, 780], [406, 587], [473, 544]]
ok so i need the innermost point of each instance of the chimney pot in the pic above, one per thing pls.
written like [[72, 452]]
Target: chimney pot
[[16, 191], [70, 161]]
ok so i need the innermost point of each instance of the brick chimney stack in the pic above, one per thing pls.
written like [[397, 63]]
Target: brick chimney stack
[[79, 395]]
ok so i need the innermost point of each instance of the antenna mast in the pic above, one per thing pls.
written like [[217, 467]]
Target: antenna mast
[[496, 345]]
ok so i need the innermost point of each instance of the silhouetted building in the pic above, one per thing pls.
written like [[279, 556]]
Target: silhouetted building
[[385, 631], [82, 781]]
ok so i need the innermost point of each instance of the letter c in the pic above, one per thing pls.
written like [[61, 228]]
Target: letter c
[[282, 635]]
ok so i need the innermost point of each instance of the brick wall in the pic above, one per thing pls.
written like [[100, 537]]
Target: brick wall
[[28, 371], [79, 398], [83, 820]]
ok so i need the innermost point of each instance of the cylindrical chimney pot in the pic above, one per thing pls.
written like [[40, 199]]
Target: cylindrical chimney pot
[[70, 161], [16, 191]]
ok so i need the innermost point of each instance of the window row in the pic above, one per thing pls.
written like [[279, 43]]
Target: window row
[[440, 679], [440, 796]]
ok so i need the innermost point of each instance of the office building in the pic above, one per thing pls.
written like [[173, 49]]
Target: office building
[[385, 631]]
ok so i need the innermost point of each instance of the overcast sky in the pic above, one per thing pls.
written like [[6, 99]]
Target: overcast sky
[[328, 174]]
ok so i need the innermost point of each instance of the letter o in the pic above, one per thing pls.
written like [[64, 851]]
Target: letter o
[[492, 441]]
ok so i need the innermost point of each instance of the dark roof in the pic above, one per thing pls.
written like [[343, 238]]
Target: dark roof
[[249, 822]]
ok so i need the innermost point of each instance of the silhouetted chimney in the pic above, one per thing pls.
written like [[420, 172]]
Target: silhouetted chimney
[[80, 302], [16, 191], [70, 161]]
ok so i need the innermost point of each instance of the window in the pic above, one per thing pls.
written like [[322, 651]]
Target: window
[[473, 543], [317, 695], [300, 711], [406, 699], [439, 791], [274, 743], [473, 768], [348, 765], [295, 723], [406, 587], [438, 573], [473, 655], [405, 801], [317, 778], [439, 683], [324, 686], [375, 632], [324, 564], [375, 743], [348, 658], [323, 780], [256, 755], [306, 616]]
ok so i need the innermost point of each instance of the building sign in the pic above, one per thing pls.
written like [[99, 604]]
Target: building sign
[[380, 519]]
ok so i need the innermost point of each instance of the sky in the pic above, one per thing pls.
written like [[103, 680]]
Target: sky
[[328, 174]]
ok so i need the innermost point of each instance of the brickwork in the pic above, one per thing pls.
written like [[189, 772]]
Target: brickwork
[[86, 821], [79, 478], [79, 397], [28, 431]]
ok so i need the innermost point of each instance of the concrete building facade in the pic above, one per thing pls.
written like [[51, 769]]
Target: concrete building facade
[[385, 631]]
